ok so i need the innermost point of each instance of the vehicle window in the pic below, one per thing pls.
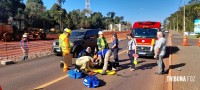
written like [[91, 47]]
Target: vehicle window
[[96, 32], [76, 34], [90, 34], [145, 33]]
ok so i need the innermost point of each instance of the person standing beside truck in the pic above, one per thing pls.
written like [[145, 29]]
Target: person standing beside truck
[[131, 50], [24, 44], [61, 37], [115, 49], [159, 51], [65, 47], [101, 42]]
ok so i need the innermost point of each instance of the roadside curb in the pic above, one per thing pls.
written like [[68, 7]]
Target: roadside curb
[[7, 62]]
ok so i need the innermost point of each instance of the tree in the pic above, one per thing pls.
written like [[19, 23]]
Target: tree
[[75, 17], [54, 12], [9, 8], [194, 2], [192, 12], [35, 11], [96, 19], [69, 22], [60, 2], [118, 19]]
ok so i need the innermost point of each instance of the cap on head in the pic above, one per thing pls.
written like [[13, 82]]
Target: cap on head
[[68, 30], [100, 32], [24, 36], [88, 50]]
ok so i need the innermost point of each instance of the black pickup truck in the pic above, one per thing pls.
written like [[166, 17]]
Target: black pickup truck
[[79, 40]]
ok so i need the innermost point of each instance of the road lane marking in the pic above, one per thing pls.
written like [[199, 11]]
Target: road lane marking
[[119, 53], [50, 83], [63, 77]]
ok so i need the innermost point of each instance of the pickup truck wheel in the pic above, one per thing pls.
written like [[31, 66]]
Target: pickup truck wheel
[[56, 54], [77, 51]]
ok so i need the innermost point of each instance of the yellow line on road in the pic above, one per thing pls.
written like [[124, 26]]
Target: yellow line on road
[[51, 82], [63, 77], [120, 53]]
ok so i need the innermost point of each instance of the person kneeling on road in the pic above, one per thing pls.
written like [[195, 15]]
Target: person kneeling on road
[[85, 52], [84, 63], [104, 58]]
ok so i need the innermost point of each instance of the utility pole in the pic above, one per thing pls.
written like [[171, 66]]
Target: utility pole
[[170, 26], [184, 19], [177, 23], [174, 24]]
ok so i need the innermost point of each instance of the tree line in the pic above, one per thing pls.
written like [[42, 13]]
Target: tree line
[[35, 14], [175, 20]]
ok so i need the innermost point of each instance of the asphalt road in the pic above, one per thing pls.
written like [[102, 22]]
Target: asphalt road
[[44, 74]]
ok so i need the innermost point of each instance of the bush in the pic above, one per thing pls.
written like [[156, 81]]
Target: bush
[[198, 36]]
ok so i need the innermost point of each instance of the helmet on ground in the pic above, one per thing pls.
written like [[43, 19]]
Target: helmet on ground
[[68, 30], [100, 32]]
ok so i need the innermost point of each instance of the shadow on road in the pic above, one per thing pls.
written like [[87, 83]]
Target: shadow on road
[[147, 66], [102, 83], [176, 66], [127, 65], [174, 50], [124, 60]]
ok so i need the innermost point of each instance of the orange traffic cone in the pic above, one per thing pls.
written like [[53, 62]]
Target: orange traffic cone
[[199, 42], [185, 43]]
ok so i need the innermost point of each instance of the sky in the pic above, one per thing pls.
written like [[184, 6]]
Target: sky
[[131, 10]]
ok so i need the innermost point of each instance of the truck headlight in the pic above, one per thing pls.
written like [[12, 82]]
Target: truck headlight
[[54, 44]]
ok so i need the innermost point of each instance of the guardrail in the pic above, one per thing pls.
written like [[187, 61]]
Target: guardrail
[[36, 49]]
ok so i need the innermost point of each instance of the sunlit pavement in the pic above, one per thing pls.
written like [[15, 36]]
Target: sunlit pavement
[[44, 73]]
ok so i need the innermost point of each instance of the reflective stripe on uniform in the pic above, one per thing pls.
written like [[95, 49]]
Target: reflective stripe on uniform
[[152, 42]]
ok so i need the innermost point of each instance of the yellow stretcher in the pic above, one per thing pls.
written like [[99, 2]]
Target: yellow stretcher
[[109, 72]]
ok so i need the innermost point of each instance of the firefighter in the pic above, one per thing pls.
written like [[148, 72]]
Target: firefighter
[[64, 44]]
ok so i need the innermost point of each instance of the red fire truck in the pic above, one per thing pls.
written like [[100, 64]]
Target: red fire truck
[[145, 34]]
